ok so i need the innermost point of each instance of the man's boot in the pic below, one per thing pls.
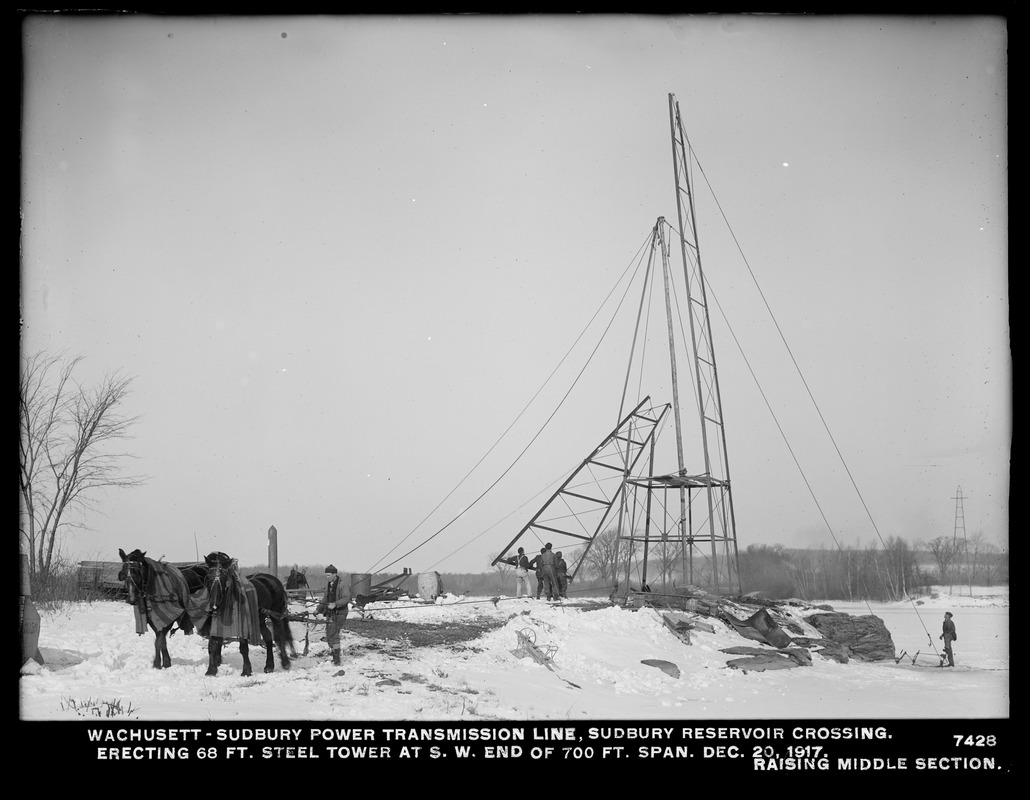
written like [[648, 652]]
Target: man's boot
[[336, 658]]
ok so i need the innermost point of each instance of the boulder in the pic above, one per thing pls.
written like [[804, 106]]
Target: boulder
[[866, 637]]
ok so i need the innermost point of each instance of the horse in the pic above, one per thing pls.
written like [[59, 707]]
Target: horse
[[245, 608], [298, 579], [159, 594]]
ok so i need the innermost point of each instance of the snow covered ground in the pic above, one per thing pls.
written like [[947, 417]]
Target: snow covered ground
[[97, 667]]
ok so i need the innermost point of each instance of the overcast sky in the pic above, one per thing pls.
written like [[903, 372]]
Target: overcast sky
[[341, 255]]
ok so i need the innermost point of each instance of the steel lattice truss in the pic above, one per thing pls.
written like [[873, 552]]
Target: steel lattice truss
[[586, 501]]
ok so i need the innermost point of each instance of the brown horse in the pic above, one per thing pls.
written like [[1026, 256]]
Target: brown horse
[[248, 609], [159, 594]]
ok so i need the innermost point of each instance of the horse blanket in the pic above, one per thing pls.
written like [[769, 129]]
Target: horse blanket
[[164, 599], [239, 618]]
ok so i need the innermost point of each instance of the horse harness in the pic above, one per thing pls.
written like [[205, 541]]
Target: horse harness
[[133, 567]]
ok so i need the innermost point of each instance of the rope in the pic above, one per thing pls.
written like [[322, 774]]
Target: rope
[[804, 382], [531, 441]]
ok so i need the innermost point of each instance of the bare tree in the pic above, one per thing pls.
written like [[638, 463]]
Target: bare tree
[[980, 552], [503, 568], [665, 555], [993, 563], [898, 570], [607, 555], [801, 569], [66, 431], [945, 549]]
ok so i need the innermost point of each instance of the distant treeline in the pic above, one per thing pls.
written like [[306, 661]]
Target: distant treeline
[[892, 570], [878, 571], [873, 572]]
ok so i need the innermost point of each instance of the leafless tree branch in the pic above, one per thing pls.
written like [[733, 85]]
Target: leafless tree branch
[[66, 434]]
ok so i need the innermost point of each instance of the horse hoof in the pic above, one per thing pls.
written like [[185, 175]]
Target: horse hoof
[[211, 673], [269, 669]]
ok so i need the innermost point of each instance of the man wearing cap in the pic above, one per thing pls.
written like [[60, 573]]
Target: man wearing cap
[[550, 578], [521, 564], [334, 606], [949, 636]]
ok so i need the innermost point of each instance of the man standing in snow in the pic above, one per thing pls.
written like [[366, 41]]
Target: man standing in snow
[[334, 606], [949, 636], [521, 564], [536, 565], [550, 577], [561, 570]]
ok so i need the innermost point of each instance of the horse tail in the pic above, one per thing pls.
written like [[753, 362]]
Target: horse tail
[[286, 632], [282, 602]]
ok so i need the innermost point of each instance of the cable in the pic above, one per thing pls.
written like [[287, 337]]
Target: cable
[[797, 368], [535, 436]]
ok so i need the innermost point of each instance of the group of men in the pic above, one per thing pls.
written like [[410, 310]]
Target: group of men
[[552, 573], [552, 579]]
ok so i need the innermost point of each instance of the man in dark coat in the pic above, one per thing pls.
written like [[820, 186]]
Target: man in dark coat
[[561, 570], [949, 636], [538, 566], [521, 564], [547, 570], [334, 606]]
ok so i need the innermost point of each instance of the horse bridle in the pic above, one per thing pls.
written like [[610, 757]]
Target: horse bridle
[[132, 569], [221, 575]]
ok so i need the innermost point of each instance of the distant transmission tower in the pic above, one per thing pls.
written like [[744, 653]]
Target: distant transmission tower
[[960, 525], [960, 517]]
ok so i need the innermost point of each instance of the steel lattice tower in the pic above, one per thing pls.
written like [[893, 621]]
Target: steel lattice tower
[[960, 517], [719, 527]]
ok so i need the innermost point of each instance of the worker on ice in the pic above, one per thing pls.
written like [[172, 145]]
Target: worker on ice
[[949, 636], [334, 606]]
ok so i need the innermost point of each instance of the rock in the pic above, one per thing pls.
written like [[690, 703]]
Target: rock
[[761, 663], [801, 658], [790, 625], [667, 667], [825, 647], [866, 637], [744, 650]]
